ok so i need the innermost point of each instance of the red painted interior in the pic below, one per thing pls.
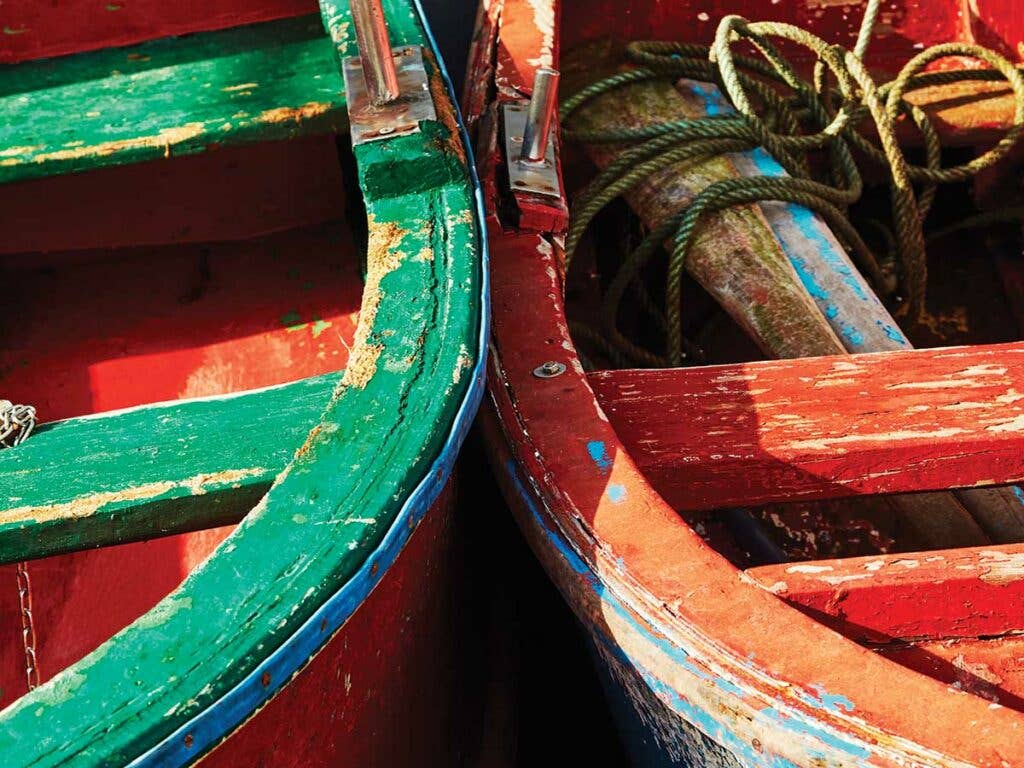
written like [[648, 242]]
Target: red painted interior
[[387, 689], [904, 25], [30, 29], [755, 433], [95, 330]]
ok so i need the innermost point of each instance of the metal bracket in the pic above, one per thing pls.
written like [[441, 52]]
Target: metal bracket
[[401, 116], [538, 178]]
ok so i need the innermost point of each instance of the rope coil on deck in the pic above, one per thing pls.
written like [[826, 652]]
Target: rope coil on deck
[[790, 117], [16, 423]]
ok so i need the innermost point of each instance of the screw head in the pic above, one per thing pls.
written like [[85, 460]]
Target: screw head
[[385, 130], [549, 370]]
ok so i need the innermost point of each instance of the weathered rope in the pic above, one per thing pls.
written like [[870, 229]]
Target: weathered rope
[[821, 115]]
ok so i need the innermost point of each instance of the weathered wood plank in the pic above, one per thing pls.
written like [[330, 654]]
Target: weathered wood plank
[[954, 615], [379, 443], [940, 594], [990, 667], [151, 471], [823, 427], [169, 97]]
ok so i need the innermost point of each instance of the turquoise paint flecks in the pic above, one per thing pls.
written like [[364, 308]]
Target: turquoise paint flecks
[[892, 332], [814, 731], [704, 720], [599, 455], [851, 333], [1018, 493], [616, 493], [831, 700]]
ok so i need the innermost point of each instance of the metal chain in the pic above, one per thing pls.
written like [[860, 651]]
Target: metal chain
[[28, 627], [16, 424]]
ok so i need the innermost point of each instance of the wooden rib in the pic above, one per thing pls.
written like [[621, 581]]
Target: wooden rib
[[943, 594], [151, 471], [826, 427]]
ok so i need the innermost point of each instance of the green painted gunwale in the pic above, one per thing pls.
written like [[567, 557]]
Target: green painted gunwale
[[330, 507]]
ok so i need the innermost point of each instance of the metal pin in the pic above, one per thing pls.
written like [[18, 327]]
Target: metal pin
[[375, 52], [540, 116]]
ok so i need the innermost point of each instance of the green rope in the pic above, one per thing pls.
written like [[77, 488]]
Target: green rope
[[822, 115]]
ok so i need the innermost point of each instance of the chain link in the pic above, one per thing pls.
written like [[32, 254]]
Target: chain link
[[16, 423], [28, 627]]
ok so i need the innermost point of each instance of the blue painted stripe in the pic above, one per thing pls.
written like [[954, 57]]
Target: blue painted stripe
[[231, 710], [710, 723]]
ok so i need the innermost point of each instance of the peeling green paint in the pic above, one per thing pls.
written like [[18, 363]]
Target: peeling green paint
[[349, 479]]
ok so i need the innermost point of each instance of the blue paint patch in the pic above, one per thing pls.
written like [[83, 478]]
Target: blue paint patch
[[1018, 493], [851, 334], [616, 493], [892, 332], [598, 455], [832, 701]]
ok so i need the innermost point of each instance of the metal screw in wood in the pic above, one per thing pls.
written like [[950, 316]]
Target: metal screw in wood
[[549, 370]]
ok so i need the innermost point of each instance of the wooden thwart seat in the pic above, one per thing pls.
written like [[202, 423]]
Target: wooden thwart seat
[[956, 615], [263, 82], [827, 427], [154, 470]]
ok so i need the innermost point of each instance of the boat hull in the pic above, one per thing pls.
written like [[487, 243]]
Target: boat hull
[[385, 689]]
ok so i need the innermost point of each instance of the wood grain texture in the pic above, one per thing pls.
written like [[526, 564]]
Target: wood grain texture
[[825, 427], [151, 471], [264, 82], [937, 595]]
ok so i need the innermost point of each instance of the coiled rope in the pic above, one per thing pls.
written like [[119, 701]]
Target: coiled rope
[[823, 114]]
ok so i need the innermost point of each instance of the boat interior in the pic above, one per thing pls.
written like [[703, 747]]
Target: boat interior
[[790, 469], [182, 222]]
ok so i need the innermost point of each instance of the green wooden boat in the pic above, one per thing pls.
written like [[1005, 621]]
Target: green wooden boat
[[245, 290]]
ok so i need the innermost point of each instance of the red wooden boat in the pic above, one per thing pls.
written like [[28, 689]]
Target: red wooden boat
[[239, 289], [806, 561]]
